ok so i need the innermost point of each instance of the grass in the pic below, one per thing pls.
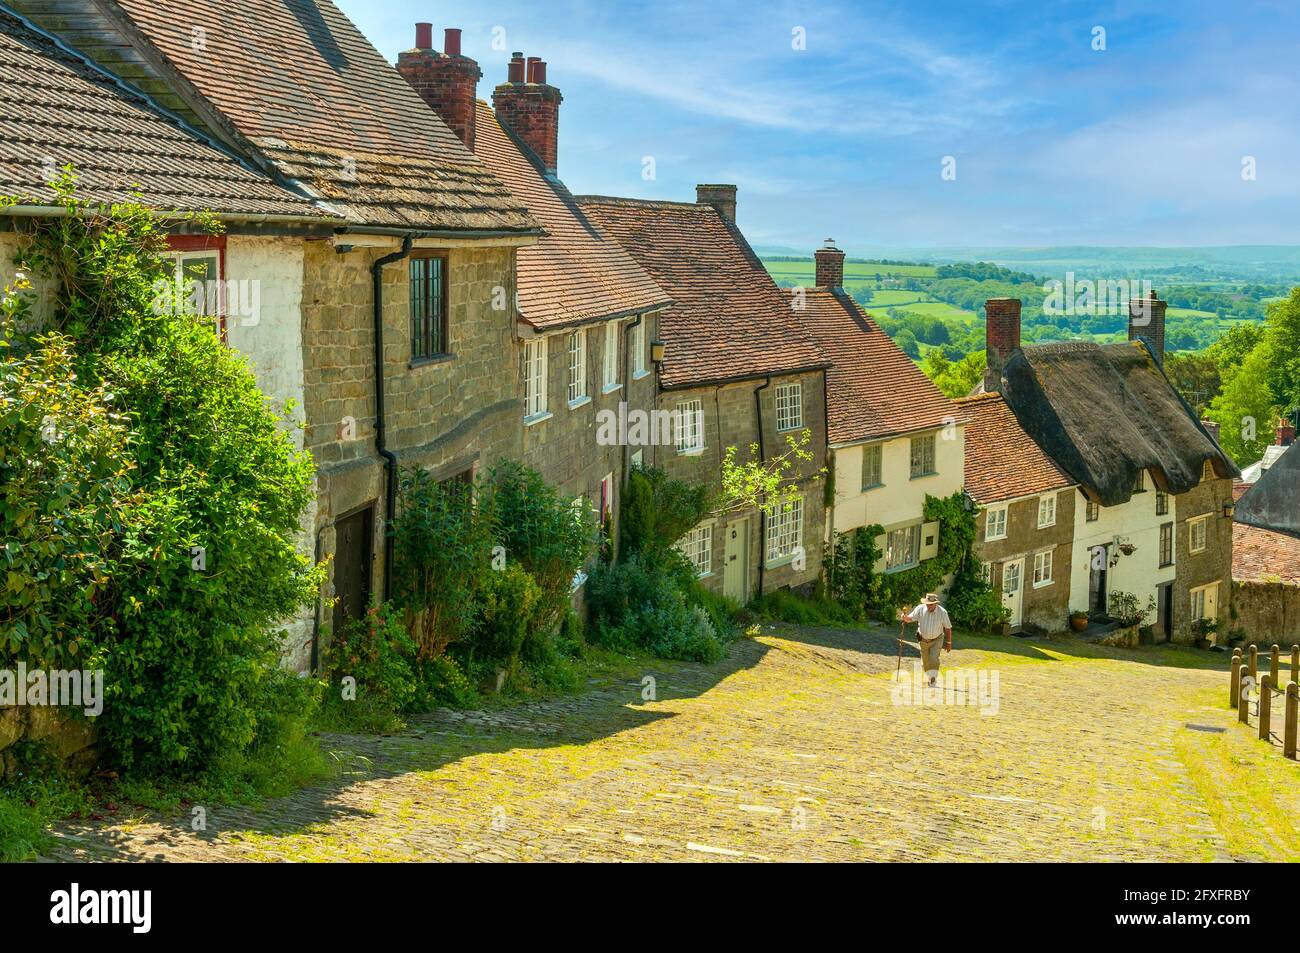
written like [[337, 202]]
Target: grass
[[798, 270]]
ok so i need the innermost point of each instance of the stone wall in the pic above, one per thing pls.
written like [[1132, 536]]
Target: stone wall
[[1267, 612], [730, 420], [1212, 565], [1047, 606], [67, 739]]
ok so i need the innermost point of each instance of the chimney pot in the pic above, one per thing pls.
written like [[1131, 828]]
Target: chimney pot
[[532, 68], [424, 36], [721, 197], [829, 266], [530, 107], [1146, 320], [447, 81], [451, 42], [1001, 337], [1212, 428], [515, 71]]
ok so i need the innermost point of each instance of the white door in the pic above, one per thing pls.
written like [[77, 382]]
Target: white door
[[1013, 577]]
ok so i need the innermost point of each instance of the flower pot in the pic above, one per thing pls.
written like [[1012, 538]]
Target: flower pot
[[1078, 622]]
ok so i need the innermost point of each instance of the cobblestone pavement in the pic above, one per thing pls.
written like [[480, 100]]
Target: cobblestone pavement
[[792, 749]]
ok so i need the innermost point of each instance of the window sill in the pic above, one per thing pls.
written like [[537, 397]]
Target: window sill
[[901, 568], [922, 476], [1196, 552], [611, 388], [780, 561], [1044, 585], [431, 359], [1166, 566], [582, 401], [797, 427], [538, 418], [874, 486], [994, 539], [1046, 525], [692, 452], [637, 375]]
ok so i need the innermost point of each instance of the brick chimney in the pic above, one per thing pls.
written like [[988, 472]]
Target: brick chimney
[[530, 107], [1146, 320], [1285, 433], [721, 197], [830, 266], [1001, 337], [447, 81], [1212, 428]]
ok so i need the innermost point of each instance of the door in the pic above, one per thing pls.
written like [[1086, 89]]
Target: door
[[1099, 557], [1165, 604], [353, 559], [1013, 589], [735, 565]]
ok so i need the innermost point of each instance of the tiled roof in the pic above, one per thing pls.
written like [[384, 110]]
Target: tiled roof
[[1105, 413], [56, 109], [1274, 502], [1002, 461], [301, 83], [729, 320], [1264, 555], [874, 390], [575, 273]]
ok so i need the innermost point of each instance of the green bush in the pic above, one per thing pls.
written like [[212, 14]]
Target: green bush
[[443, 683], [634, 604], [658, 511], [508, 611], [786, 606], [372, 674]]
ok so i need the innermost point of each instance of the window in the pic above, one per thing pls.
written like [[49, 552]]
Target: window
[[1092, 512], [922, 456], [428, 307], [697, 546], [789, 406], [1162, 503], [606, 499], [577, 366], [1205, 602], [637, 344], [201, 288], [1166, 544], [873, 460], [995, 527], [1046, 511], [986, 573], [1196, 531], [690, 426], [534, 374], [1207, 470], [1042, 569], [611, 355], [903, 547], [785, 530], [1140, 482]]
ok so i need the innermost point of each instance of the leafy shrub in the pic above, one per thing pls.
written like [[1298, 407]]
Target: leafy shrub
[[442, 682], [636, 605], [508, 611], [658, 511], [376, 654], [787, 606]]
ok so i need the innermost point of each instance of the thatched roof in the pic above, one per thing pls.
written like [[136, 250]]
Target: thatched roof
[[1274, 502], [1106, 412]]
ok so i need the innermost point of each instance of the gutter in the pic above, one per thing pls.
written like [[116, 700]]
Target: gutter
[[762, 512], [390, 458], [406, 233], [52, 211]]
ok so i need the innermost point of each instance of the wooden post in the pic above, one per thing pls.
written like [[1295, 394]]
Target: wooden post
[[1292, 705], [1234, 689], [1265, 706], [1243, 707], [1274, 660], [1295, 663], [1254, 661]]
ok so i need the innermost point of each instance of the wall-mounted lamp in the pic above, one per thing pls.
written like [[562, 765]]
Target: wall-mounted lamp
[[657, 352], [1229, 509]]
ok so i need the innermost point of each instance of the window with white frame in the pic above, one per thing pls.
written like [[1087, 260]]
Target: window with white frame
[[1043, 569], [995, 524], [1166, 544], [697, 546], [903, 547], [1046, 511], [785, 529], [577, 365], [1092, 512], [689, 421], [637, 346], [1205, 602], [922, 456], [1197, 531], [986, 573], [611, 355], [873, 466], [789, 406], [534, 374]]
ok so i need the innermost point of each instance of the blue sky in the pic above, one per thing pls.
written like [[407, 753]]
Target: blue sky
[[1055, 143]]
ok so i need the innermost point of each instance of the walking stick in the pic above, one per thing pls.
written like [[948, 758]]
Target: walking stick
[[902, 634]]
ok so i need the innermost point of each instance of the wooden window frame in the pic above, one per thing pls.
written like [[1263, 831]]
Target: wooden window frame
[[418, 324]]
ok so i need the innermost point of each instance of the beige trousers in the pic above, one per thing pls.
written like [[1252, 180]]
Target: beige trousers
[[931, 650]]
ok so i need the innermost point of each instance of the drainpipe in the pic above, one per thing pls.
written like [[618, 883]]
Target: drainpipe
[[627, 392], [762, 513], [390, 458]]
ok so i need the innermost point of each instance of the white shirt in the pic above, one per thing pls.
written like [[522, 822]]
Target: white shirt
[[930, 624]]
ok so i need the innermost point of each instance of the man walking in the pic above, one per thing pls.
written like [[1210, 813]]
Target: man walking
[[931, 622]]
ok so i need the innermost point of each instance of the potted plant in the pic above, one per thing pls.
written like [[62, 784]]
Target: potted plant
[[1078, 620], [1123, 608]]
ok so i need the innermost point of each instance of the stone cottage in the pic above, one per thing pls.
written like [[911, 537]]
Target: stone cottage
[[1025, 525], [1154, 517], [586, 310], [736, 370], [1266, 555], [403, 312], [894, 438]]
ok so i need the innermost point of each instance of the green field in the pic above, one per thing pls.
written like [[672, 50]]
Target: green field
[[804, 270]]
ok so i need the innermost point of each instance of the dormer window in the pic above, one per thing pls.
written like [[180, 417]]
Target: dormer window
[[1140, 482]]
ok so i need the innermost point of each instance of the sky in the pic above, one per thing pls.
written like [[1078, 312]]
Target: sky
[[839, 119]]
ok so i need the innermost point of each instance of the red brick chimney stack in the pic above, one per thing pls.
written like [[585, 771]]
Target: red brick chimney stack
[[1146, 320], [1285, 433], [531, 107], [721, 197], [447, 81], [1002, 338], [830, 266]]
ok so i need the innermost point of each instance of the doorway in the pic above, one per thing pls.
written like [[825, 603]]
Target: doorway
[[735, 561], [1013, 574], [1165, 608], [1097, 582], [354, 551]]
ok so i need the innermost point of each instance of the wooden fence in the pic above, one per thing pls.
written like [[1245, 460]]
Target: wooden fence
[[1249, 686]]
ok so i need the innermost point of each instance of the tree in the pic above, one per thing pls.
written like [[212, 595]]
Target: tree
[[762, 483], [1245, 409]]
